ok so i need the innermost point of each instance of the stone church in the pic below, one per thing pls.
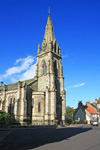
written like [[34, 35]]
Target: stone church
[[41, 99]]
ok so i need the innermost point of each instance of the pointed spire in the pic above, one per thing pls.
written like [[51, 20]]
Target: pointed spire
[[49, 33], [49, 18]]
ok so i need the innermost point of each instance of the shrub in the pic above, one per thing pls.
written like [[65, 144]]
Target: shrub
[[76, 121], [85, 121], [5, 119], [73, 122]]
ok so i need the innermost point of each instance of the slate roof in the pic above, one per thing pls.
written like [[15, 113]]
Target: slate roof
[[14, 86]]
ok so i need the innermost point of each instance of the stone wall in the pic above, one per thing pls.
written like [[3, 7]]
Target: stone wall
[[38, 98]]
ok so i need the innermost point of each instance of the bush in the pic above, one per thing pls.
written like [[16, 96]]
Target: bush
[[5, 119], [85, 121], [75, 121]]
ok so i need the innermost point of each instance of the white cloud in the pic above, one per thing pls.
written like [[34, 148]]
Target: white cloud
[[23, 69], [30, 73], [19, 60], [65, 56], [76, 85], [25, 63]]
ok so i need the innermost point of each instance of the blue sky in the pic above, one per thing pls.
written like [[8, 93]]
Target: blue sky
[[77, 29]]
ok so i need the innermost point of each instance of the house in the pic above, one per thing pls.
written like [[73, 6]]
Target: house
[[88, 112]]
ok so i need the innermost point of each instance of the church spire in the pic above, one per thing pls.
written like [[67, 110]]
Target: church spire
[[49, 33], [49, 18]]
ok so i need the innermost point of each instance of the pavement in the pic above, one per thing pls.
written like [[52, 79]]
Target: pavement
[[49, 137], [4, 132]]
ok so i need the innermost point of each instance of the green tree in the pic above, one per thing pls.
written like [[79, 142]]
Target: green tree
[[69, 114]]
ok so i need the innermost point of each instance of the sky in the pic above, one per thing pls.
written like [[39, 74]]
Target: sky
[[77, 29]]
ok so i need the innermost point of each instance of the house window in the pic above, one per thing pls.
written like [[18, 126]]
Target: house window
[[39, 107]]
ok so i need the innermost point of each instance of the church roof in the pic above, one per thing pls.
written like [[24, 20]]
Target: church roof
[[29, 81], [14, 86]]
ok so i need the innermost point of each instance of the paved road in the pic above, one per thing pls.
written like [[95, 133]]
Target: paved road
[[71, 138]]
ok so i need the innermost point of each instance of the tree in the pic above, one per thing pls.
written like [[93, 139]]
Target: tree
[[69, 114]]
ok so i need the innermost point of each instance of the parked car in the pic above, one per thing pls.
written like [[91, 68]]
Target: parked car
[[95, 123]]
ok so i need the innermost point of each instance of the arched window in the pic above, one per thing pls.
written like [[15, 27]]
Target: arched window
[[0, 104], [39, 107], [13, 106], [55, 68], [18, 105], [10, 107], [44, 68]]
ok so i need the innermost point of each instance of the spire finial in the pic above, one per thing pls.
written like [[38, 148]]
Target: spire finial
[[49, 10]]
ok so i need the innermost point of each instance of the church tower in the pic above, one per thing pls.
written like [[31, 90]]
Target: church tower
[[49, 73]]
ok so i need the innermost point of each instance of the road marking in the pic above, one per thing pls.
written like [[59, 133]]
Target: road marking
[[1, 139]]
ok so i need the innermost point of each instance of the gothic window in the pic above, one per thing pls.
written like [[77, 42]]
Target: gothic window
[[55, 47], [55, 68], [10, 107], [18, 107], [0, 104], [39, 107], [44, 68], [13, 106], [14, 101]]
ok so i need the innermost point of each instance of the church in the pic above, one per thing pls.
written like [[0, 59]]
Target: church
[[41, 99]]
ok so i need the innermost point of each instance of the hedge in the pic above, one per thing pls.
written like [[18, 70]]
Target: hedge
[[5, 119]]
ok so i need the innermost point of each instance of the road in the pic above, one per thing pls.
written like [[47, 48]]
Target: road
[[69, 138]]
